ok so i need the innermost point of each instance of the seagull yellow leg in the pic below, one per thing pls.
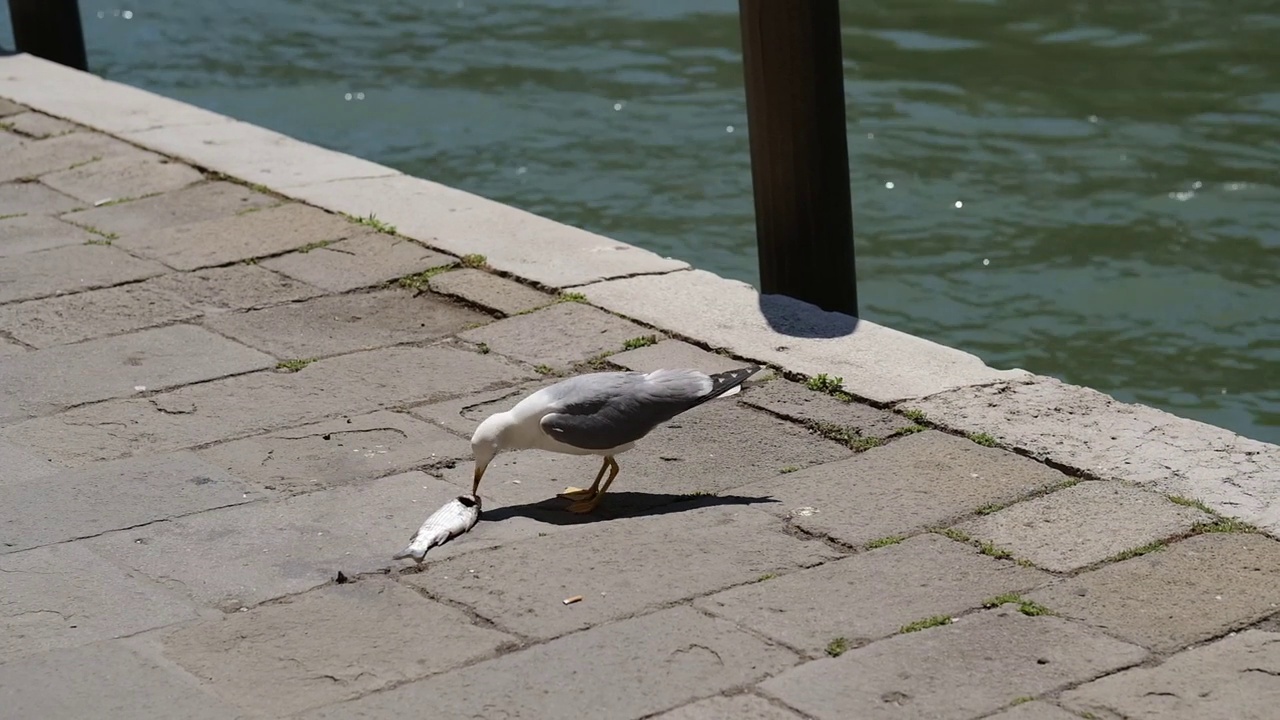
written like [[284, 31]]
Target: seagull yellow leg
[[573, 493], [588, 505]]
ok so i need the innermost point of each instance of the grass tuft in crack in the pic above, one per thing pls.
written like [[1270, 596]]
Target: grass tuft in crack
[[420, 281], [935, 621], [837, 647], [476, 261], [294, 365], [983, 439], [572, 297], [833, 386], [636, 343], [381, 226], [884, 542], [1026, 607]]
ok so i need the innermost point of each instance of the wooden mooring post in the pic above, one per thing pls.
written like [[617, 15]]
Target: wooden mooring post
[[799, 153], [49, 29]]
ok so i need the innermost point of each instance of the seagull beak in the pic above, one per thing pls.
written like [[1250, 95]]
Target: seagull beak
[[475, 483]]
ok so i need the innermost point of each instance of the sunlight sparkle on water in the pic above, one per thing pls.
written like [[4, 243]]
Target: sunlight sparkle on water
[[889, 185], [959, 204]]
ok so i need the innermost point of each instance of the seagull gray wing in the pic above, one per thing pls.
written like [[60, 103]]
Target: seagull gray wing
[[600, 411]]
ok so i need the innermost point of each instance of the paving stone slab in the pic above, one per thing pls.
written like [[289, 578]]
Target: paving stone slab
[[338, 452], [1087, 430], [334, 643], [21, 465], [368, 259], [69, 269], [38, 125], [242, 556], [877, 363], [9, 348], [1084, 524], [258, 155], [123, 178], [972, 667], [65, 595], [108, 496], [461, 415], [621, 567], [33, 233], [257, 403], [914, 483], [1190, 591], [67, 319], [871, 595], [1231, 679], [1035, 710], [9, 107], [345, 323], [269, 231], [669, 353], [45, 381], [649, 664], [558, 336], [32, 158], [105, 681], [792, 400], [513, 241], [195, 204], [32, 198], [235, 287], [490, 291], [710, 449], [737, 707]]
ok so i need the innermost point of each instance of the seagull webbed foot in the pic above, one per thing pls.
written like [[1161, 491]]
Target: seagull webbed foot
[[573, 493]]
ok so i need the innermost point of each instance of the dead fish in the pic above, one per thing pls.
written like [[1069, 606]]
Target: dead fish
[[455, 518]]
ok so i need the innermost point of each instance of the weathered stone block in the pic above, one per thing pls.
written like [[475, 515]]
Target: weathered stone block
[[241, 237], [38, 125], [648, 664], [9, 107], [67, 319], [513, 241], [1035, 710], [345, 323], [33, 233], [1190, 591], [261, 402], [337, 452], [107, 496], [621, 567], [65, 595], [122, 178], [737, 707], [235, 287], [69, 269], [669, 353], [1231, 679], [328, 645], [490, 291], [1087, 430], [32, 198], [965, 670], [912, 484], [242, 556], [579, 331], [9, 347], [199, 203], [1083, 524], [32, 158], [21, 465], [792, 400], [45, 381], [871, 595], [105, 681], [369, 258]]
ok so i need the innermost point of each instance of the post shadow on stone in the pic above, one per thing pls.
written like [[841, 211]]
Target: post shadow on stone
[[617, 506], [797, 318]]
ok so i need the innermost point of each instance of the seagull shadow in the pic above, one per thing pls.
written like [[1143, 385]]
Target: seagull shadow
[[616, 506]]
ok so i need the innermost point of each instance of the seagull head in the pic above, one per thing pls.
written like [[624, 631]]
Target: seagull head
[[489, 439]]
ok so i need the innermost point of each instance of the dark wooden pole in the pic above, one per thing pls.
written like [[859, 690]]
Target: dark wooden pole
[[49, 29], [799, 154]]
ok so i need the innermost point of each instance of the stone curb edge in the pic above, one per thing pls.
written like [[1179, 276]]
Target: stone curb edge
[[1074, 428]]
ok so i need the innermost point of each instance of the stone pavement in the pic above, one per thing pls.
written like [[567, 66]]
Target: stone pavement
[[221, 412]]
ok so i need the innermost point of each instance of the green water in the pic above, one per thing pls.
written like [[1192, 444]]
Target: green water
[[1117, 164]]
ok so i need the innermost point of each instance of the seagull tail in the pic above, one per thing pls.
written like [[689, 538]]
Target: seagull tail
[[729, 383]]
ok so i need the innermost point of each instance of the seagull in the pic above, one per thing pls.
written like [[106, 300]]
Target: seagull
[[603, 413]]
